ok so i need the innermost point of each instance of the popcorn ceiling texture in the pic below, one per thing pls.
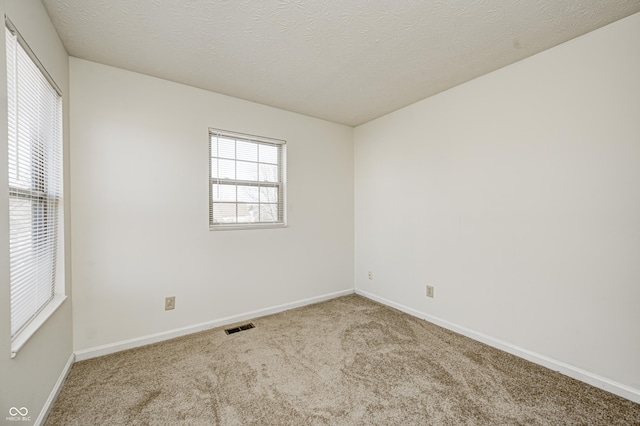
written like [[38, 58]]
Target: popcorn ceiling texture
[[343, 61]]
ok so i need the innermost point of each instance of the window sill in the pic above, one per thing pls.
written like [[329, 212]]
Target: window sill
[[246, 226], [37, 322]]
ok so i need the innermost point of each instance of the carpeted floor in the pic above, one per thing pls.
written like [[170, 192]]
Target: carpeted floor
[[348, 361]]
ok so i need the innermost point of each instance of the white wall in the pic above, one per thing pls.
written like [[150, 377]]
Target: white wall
[[517, 196], [29, 379], [140, 208]]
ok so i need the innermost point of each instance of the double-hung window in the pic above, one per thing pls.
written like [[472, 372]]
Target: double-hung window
[[246, 181], [35, 189]]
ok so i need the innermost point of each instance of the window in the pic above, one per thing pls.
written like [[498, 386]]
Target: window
[[246, 181], [35, 187]]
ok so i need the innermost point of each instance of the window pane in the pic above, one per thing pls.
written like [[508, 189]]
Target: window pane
[[226, 148], [268, 212], [223, 192], [268, 154], [21, 156], [247, 179], [248, 194], [224, 213], [268, 195], [226, 169], [34, 138], [214, 167], [268, 173], [247, 171], [248, 213], [247, 151], [214, 146]]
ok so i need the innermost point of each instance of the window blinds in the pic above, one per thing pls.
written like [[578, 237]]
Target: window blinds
[[35, 183], [246, 181]]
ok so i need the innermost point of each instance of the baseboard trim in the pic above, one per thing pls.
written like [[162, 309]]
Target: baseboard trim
[[97, 351], [608, 385], [48, 404]]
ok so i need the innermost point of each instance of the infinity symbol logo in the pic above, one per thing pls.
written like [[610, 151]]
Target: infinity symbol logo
[[13, 411]]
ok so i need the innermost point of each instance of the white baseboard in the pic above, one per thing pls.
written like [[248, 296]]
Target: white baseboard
[[97, 351], [608, 385], [48, 404]]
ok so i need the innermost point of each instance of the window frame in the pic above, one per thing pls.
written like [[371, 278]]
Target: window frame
[[280, 184], [46, 204]]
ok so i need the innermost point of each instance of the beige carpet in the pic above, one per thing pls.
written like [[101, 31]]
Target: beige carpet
[[348, 361]]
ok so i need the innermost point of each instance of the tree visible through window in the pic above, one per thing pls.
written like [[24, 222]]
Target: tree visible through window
[[246, 181]]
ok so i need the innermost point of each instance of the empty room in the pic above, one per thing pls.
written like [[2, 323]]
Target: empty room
[[307, 212]]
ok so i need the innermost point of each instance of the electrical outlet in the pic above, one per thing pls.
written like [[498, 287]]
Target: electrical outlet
[[429, 291], [370, 275], [169, 303]]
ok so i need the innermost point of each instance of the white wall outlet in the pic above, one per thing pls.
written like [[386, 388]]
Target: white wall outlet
[[429, 291], [169, 303], [370, 275]]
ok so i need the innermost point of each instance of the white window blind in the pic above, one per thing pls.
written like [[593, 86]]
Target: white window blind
[[35, 182], [246, 181]]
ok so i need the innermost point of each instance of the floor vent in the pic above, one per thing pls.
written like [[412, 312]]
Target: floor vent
[[240, 328]]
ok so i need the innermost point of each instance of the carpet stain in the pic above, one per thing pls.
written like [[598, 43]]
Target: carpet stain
[[144, 402]]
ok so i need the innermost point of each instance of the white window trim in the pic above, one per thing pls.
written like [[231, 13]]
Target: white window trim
[[59, 297], [37, 322], [283, 183], [245, 226]]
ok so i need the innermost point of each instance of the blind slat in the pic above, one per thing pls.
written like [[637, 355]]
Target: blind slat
[[35, 183], [246, 180]]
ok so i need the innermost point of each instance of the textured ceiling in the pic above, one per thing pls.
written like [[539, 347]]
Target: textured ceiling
[[347, 61]]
